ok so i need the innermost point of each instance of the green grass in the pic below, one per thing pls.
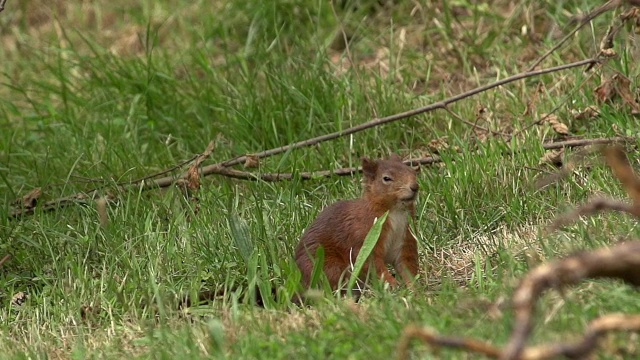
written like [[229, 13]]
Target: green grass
[[97, 94]]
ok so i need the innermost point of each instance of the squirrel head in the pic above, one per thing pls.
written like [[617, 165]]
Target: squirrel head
[[389, 184]]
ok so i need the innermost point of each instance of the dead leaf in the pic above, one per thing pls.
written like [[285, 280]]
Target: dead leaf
[[30, 200], [617, 86], [608, 53], [494, 312], [439, 144], [553, 157], [90, 311], [555, 123], [19, 298], [193, 178], [483, 113], [623, 87], [251, 161], [588, 113], [604, 92], [606, 44], [202, 157]]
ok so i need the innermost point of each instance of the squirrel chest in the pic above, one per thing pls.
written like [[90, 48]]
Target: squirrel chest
[[397, 222]]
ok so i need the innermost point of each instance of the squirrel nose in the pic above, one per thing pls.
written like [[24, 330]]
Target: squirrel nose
[[414, 187]]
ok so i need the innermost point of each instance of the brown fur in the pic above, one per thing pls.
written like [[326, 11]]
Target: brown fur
[[341, 228]]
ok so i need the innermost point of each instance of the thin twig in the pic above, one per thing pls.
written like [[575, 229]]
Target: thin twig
[[82, 198], [272, 177], [583, 142], [147, 177], [403, 115], [474, 125], [436, 340], [584, 21], [593, 206], [237, 174], [6, 257]]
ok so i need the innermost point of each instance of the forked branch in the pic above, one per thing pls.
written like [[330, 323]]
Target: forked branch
[[622, 261]]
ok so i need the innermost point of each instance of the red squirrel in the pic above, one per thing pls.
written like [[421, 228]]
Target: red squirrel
[[389, 185]]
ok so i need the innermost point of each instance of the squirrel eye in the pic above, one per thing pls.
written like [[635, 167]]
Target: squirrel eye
[[387, 179]]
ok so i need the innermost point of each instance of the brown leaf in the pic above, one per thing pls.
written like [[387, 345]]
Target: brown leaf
[[588, 113], [251, 161], [193, 178], [618, 86], [30, 200], [90, 311], [4, 259], [19, 298], [623, 88], [555, 123], [553, 157], [439, 144], [483, 113], [202, 157], [606, 44], [605, 91], [608, 53]]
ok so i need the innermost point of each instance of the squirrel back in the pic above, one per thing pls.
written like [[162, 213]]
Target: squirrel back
[[389, 185]]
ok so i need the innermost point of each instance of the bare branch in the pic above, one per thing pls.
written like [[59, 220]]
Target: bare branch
[[621, 261], [166, 171], [474, 125], [147, 184], [609, 5], [434, 339], [219, 170], [403, 115], [584, 142]]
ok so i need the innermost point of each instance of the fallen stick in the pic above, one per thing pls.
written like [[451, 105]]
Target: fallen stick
[[147, 184]]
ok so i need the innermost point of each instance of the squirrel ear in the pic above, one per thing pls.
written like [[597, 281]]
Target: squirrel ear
[[395, 157], [369, 167]]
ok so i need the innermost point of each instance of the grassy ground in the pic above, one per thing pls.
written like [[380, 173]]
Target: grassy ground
[[101, 92]]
